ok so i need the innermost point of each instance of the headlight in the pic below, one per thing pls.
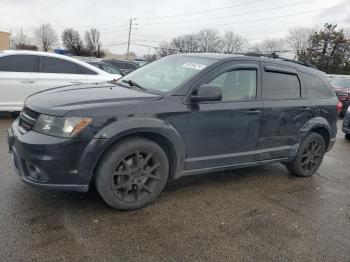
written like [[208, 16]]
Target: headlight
[[349, 109], [61, 126]]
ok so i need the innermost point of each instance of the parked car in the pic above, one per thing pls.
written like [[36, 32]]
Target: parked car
[[341, 84], [180, 115], [140, 62], [108, 68], [23, 73], [124, 66], [346, 124]]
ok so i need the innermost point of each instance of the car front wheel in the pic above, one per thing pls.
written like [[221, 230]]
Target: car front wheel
[[132, 173], [309, 156]]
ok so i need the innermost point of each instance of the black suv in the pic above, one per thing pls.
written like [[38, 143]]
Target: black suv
[[181, 115]]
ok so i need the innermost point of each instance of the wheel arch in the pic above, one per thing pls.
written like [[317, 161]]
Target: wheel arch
[[156, 130], [318, 125]]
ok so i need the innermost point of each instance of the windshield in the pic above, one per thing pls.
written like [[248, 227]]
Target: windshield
[[169, 72], [341, 82]]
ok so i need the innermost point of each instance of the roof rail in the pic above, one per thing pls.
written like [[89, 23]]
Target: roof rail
[[274, 55]]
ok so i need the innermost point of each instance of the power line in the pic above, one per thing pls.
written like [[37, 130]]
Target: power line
[[200, 12], [246, 21], [238, 14]]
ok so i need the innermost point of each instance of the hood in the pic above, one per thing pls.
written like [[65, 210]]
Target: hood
[[58, 101]]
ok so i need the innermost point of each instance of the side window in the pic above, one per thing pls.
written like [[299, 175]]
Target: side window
[[280, 86], [19, 63], [237, 84], [86, 71], [59, 66], [315, 87]]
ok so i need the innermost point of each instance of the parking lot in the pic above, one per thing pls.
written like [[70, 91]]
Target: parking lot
[[260, 214]]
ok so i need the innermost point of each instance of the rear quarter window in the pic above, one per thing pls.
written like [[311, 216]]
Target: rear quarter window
[[316, 87]]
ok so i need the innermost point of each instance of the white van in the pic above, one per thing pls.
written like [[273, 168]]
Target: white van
[[23, 73]]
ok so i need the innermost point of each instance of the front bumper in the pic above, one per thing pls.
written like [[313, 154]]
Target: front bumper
[[51, 162]]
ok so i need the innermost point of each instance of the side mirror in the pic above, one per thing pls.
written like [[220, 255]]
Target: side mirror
[[207, 92]]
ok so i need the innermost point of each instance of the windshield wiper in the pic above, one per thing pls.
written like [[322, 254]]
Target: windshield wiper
[[133, 84]]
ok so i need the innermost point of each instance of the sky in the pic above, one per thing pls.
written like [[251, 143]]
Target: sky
[[156, 20]]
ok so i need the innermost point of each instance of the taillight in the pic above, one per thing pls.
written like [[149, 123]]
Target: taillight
[[339, 107]]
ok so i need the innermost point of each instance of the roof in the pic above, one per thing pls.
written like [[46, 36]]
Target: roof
[[262, 58], [3, 32]]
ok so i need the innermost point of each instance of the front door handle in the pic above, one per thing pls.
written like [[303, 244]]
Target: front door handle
[[76, 82], [27, 81], [252, 111]]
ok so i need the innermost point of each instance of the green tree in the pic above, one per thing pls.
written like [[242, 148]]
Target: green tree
[[329, 50]]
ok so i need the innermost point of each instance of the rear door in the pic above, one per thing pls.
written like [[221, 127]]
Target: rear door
[[18, 80], [285, 111], [56, 72]]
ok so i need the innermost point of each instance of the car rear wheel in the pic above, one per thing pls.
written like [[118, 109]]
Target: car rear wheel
[[309, 156], [132, 173]]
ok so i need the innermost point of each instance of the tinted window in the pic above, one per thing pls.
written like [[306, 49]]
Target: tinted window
[[19, 63], [237, 84], [280, 86], [85, 71], [58, 66], [315, 87]]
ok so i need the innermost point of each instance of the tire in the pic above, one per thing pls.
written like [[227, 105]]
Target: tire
[[309, 156], [132, 173], [347, 136]]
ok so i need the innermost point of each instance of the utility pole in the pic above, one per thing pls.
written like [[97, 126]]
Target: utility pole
[[128, 49]]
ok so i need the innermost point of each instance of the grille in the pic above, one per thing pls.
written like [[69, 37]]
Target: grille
[[31, 113], [27, 119]]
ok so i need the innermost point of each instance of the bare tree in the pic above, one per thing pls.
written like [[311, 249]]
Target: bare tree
[[233, 43], [21, 41], [165, 49], [209, 41], [72, 41], [299, 39], [45, 37], [269, 46], [93, 42], [186, 43]]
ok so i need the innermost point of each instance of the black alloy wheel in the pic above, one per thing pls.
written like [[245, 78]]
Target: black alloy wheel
[[309, 156], [132, 173]]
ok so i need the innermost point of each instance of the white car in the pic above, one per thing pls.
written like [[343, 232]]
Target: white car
[[23, 73]]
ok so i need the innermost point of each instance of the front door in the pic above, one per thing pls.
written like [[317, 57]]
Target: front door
[[18, 80], [225, 133]]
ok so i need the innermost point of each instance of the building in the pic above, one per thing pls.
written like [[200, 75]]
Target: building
[[4, 40]]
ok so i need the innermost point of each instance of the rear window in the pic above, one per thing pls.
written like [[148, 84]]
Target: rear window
[[315, 86], [280, 86], [61, 66], [58, 66], [19, 63]]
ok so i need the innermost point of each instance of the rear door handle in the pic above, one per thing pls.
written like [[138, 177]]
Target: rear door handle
[[252, 111], [27, 81], [76, 82]]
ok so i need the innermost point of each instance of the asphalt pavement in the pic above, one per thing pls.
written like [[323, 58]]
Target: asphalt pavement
[[252, 214]]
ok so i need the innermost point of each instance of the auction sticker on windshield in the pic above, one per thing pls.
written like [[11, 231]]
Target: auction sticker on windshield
[[194, 66]]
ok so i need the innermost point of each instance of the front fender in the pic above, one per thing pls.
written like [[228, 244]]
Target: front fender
[[119, 129]]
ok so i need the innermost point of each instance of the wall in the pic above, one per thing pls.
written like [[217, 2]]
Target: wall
[[4, 40]]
